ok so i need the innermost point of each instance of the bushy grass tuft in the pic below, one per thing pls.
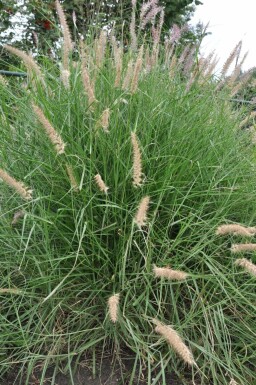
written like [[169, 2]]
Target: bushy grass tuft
[[78, 241]]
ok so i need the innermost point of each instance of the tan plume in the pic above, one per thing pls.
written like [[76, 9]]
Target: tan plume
[[247, 265], [19, 187], [237, 71], [148, 63], [192, 79], [167, 272], [100, 48], [137, 166], [72, 178], [67, 41], [236, 229], [104, 120], [175, 341], [10, 291], [141, 215], [247, 119], [3, 81], [54, 137], [137, 70], [246, 77], [173, 66], [233, 55], [64, 76], [31, 65], [238, 248], [17, 216], [89, 89], [133, 35], [113, 303], [101, 184], [233, 382], [128, 76], [118, 65]]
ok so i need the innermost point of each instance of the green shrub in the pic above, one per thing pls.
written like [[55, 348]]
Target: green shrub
[[69, 248]]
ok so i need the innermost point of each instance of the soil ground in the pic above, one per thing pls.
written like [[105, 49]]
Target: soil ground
[[83, 376]]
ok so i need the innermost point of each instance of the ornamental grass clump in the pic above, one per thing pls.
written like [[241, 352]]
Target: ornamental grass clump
[[134, 163]]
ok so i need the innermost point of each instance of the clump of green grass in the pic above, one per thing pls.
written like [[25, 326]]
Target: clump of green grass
[[125, 180]]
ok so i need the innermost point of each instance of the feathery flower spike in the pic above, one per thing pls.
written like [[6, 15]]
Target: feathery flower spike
[[118, 65], [236, 229], [17, 216], [3, 81], [72, 178], [173, 66], [100, 48], [233, 382], [52, 134], [166, 272], [88, 84], [141, 215], [234, 54], [247, 119], [20, 188], [28, 60], [137, 167], [246, 77], [64, 76], [64, 24], [175, 341], [10, 291], [247, 265], [113, 303], [101, 184], [132, 27], [67, 42], [104, 120], [137, 69], [238, 248], [128, 76]]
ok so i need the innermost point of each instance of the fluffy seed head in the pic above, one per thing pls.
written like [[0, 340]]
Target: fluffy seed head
[[67, 41], [238, 248], [10, 291], [233, 382], [101, 184], [104, 120], [175, 341], [50, 131], [246, 77], [132, 28], [17, 215], [247, 119], [247, 265], [113, 303], [141, 215], [166, 272], [128, 76], [19, 187], [118, 65], [137, 167], [89, 89], [64, 76], [137, 70], [64, 24], [31, 65], [100, 48], [236, 229], [3, 81], [72, 178], [173, 66], [234, 54]]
